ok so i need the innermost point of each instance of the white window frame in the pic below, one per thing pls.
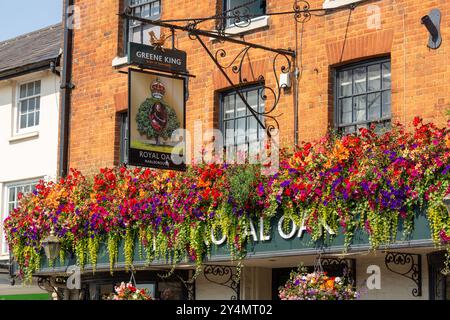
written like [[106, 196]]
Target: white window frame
[[35, 128], [242, 27], [332, 4], [255, 23], [5, 208], [138, 24]]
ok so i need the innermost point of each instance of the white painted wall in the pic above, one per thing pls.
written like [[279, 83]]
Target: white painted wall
[[393, 286], [25, 157]]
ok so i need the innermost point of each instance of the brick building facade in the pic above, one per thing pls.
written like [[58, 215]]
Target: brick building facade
[[355, 65], [327, 42]]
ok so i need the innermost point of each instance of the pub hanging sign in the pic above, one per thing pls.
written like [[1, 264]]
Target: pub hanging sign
[[157, 58], [157, 119]]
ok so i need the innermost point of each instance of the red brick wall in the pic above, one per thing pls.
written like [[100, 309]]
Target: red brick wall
[[420, 76]]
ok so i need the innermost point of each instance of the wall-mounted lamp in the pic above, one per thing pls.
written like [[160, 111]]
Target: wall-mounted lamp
[[285, 80], [52, 245], [432, 22]]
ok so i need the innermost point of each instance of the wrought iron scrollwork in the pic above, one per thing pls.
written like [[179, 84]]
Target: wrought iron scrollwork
[[239, 17], [281, 63], [302, 11], [347, 265], [410, 268], [224, 276]]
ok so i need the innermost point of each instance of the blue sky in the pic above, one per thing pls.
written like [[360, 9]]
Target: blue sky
[[23, 16]]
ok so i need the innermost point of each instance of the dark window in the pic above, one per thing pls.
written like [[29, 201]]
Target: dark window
[[124, 137], [255, 8], [363, 95], [137, 31], [438, 278], [241, 131]]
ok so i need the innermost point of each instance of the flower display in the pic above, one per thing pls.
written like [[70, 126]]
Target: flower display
[[127, 291], [316, 286], [370, 182]]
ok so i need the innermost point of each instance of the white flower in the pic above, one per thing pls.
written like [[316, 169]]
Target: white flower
[[338, 280]]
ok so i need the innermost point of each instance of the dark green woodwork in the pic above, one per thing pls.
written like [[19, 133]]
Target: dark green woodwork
[[277, 246]]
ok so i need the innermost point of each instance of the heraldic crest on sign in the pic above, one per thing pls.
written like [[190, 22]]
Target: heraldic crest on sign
[[155, 118]]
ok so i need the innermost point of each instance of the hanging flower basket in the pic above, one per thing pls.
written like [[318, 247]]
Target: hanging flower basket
[[316, 286], [127, 291]]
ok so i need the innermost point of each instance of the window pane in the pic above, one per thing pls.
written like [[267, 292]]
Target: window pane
[[31, 119], [252, 128], [257, 7], [359, 76], [23, 106], [36, 119], [345, 83], [12, 194], [137, 12], [23, 91], [261, 101], [37, 87], [156, 9], [31, 104], [252, 99], [386, 75], [228, 105], [359, 103], [240, 131], [374, 77], [146, 11], [30, 89], [229, 132], [38, 103], [240, 107], [23, 121], [241, 151], [374, 106], [124, 138], [345, 105], [386, 104]]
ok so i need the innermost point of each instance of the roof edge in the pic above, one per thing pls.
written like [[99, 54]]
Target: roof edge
[[19, 37], [29, 68]]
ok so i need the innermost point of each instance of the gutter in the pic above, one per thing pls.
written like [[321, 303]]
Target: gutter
[[66, 89], [35, 67]]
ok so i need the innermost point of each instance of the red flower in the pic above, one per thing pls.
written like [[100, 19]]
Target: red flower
[[417, 121]]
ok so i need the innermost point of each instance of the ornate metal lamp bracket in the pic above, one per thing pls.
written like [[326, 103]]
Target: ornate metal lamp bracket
[[223, 276], [410, 268]]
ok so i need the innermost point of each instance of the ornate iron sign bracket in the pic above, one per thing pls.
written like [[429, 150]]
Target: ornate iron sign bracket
[[282, 62], [410, 268], [223, 276]]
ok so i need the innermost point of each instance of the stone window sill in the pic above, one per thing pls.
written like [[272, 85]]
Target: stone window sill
[[119, 62], [332, 4], [256, 23], [24, 136]]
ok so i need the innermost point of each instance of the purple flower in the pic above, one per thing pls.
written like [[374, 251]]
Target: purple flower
[[446, 169], [285, 183], [278, 198]]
